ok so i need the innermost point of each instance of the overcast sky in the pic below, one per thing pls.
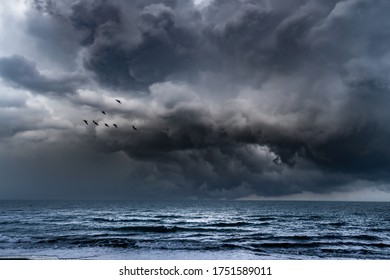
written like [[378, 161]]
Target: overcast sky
[[232, 99]]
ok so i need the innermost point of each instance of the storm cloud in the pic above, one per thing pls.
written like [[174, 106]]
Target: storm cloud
[[231, 99], [19, 72]]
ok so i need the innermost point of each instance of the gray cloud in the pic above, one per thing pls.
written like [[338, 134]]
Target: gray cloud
[[134, 44], [230, 100], [20, 72], [59, 40]]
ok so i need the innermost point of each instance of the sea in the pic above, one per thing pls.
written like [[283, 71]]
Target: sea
[[130, 230]]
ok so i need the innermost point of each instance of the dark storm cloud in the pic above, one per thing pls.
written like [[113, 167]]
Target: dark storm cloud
[[263, 44], [134, 44], [278, 41], [51, 34], [20, 72], [237, 98]]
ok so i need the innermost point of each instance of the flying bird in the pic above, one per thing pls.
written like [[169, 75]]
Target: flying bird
[[95, 123], [117, 100], [115, 125], [106, 125], [86, 122], [134, 127], [104, 113]]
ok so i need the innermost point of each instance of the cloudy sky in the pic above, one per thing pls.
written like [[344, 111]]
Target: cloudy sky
[[232, 99]]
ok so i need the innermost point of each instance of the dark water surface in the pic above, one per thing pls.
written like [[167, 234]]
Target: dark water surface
[[195, 230]]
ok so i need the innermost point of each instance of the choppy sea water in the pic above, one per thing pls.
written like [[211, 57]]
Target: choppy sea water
[[195, 230]]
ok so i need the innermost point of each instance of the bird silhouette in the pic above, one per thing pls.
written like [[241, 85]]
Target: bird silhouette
[[104, 113], [106, 125], [117, 100], [134, 127], [86, 122], [115, 125], [95, 123]]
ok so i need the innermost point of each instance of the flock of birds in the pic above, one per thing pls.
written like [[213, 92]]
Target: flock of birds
[[105, 124], [277, 160]]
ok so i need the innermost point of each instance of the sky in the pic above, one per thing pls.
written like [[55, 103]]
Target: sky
[[231, 99]]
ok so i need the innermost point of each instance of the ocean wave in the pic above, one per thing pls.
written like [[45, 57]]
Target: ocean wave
[[152, 229], [114, 242], [126, 220], [230, 224], [12, 239], [334, 224]]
